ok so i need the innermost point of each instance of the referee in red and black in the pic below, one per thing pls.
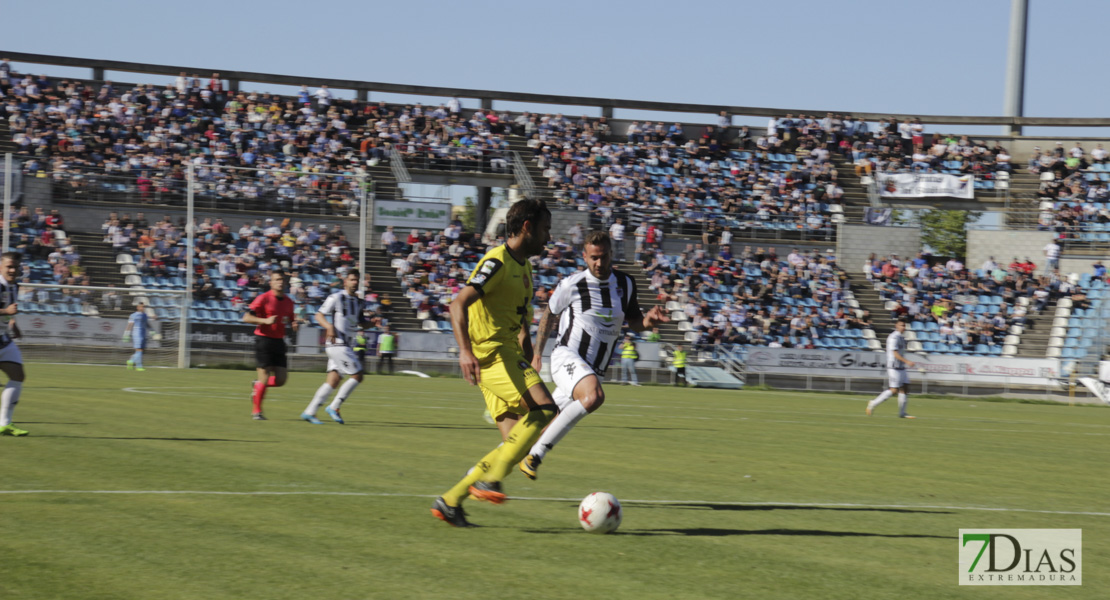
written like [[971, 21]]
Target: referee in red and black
[[270, 311]]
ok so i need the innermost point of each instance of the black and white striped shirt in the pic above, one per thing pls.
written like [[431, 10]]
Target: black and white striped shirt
[[592, 313], [9, 294], [346, 312]]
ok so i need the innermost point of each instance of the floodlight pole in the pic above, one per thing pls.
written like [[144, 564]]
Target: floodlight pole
[[187, 298], [8, 176], [1013, 103], [363, 214]]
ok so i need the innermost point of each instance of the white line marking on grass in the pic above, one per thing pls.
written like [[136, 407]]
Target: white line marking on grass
[[549, 499]]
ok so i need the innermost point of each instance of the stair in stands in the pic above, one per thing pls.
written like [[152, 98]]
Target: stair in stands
[[1034, 336], [869, 299], [383, 280], [98, 258], [519, 144], [669, 332]]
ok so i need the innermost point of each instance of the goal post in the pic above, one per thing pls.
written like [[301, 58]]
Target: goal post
[[86, 324]]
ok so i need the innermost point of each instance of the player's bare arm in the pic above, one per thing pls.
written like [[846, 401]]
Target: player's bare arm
[[637, 321], [547, 325], [328, 328], [525, 339], [909, 363], [460, 323]]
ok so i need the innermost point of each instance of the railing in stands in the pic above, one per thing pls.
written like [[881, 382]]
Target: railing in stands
[[397, 166], [523, 177]]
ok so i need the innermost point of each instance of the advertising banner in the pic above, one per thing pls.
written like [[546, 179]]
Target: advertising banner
[[223, 336], [419, 215], [938, 367], [922, 185], [76, 331]]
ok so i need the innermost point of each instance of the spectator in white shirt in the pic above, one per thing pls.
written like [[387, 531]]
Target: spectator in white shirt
[[388, 238], [616, 231], [1099, 154], [323, 96], [1052, 254]]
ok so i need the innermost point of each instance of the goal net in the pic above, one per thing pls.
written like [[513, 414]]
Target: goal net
[[86, 324]]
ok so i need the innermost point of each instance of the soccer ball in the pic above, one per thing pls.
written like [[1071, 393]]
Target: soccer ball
[[600, 512]]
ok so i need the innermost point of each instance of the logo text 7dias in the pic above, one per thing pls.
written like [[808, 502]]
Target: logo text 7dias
[[1021, 557]]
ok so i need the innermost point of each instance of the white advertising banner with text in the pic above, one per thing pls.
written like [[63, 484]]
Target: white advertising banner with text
[[923, 185], [938, 367]]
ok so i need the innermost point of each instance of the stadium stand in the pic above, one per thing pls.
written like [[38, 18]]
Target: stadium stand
[[796, 179]]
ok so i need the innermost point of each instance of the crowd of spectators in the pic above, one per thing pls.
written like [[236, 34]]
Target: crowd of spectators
[[49, 257], [905, 146], [432, 266], [683, 183], [758, 298], [1073, 198], [232, 266], [954, 309]]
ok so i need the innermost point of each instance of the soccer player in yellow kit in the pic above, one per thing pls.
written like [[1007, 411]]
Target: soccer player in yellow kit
[[491, 318]]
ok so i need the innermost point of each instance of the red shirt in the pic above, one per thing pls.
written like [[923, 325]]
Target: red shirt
[[268, 304]]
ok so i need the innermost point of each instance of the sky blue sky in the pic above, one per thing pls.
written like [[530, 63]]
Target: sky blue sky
[[937, 57]]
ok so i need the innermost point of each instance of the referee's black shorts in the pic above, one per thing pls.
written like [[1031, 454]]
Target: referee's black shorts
[[270, 352]]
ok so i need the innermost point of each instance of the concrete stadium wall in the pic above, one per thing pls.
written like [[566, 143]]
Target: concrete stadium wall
[[1004, 246], [854, 243]]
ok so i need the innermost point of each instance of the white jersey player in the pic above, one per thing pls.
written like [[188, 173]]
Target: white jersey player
[[345, 309], [11, 360], [592, 306], [899, 378]]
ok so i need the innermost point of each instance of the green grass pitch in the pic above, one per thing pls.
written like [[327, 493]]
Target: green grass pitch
[[726, 494]]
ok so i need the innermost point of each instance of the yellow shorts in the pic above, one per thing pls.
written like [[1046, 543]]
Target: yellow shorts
[[505, 379]]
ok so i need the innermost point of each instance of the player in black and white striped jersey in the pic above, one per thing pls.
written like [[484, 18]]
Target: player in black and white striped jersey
[[11, 360], [899, 378], [592, 306], [345, 309]]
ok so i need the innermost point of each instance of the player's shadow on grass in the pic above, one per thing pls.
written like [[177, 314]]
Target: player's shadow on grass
[[633, 427], [720, 532], [159, 439], [749, 507], [416, 425]]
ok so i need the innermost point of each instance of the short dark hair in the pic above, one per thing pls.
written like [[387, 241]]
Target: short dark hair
[[280, 273], [352, 272], [12, 256], [529, 209], [599, 238]]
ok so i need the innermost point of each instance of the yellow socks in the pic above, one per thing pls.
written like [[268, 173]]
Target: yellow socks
[[521, 438], [456, 494]]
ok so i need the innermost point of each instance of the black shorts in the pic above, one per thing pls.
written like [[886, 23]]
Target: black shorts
[[269, 352]]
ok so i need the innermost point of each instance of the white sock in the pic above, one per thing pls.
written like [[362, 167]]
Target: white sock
[[902, 401], [344, 391], [880, 398], [322, 394], [567, 418], [8, 399]]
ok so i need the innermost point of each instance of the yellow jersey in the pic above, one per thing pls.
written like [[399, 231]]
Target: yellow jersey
[[506, 289]]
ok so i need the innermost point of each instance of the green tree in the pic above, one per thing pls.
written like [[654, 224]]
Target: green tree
[[469, 214], [945, 231]]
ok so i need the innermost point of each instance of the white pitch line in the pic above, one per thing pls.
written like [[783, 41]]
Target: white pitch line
[[547, 499]]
